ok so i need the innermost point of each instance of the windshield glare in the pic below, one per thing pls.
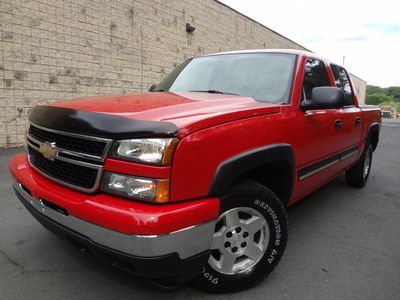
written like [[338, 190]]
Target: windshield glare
[[265, 77]]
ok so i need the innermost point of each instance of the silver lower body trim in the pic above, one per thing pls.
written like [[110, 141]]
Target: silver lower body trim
[[349, 154], [186, 242], [311, 173], [317, 167]]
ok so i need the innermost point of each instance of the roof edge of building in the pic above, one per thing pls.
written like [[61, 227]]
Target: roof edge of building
[[266, 27], [358, 77], [275, 32]]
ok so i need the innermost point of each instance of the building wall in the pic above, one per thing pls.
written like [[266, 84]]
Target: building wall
[[63, 49], [360, 87]]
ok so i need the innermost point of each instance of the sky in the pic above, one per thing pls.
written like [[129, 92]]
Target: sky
[[366, 33]]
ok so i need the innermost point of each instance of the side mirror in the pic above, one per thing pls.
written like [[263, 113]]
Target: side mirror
[[324, 97], [153, 86]]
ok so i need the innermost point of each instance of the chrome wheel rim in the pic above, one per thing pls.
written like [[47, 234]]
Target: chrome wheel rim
[[240, 240], [367, 163]]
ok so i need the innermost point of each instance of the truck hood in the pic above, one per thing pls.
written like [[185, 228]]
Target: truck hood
[[188, 111]]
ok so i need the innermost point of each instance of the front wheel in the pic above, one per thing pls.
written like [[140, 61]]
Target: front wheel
[[249, 240]]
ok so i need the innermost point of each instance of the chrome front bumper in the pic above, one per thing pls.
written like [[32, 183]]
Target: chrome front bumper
[[186, 242]]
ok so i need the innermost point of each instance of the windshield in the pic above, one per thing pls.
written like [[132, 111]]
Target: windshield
[[265, 77]]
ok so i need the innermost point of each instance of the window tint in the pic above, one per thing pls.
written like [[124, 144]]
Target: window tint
[[342, 81], [314, 75]]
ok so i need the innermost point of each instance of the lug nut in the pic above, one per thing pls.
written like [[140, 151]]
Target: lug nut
[[227, 244], [244, 244], [229, 235], [234, 249], [238, 229], [245, 234]]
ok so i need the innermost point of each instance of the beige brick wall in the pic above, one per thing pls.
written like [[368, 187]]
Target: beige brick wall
[[360, 87], [59, 49]]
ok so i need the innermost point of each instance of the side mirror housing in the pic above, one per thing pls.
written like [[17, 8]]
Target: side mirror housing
[[324, 97], [153, 86]]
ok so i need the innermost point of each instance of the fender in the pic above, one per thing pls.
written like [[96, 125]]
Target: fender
[[232, 168], [373, 128]]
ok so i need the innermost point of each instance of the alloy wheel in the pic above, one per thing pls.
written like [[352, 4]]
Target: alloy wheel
[[240, 240]]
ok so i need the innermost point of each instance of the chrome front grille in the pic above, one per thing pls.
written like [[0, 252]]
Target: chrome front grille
[[70, 159], [73, 144]]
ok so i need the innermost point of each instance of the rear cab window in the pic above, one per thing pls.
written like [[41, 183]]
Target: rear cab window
[[342, 81], [315, 75]]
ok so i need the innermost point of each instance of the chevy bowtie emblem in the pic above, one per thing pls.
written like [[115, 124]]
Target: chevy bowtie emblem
[[48, 150]]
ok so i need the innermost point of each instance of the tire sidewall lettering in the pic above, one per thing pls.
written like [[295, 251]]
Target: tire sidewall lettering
[[275, 227], [276, 220], [210, 276]]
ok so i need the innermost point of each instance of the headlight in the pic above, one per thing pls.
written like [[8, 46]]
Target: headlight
[[153, 190], [152, 151]]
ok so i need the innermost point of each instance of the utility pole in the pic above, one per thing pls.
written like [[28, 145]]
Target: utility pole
[[343, 59]]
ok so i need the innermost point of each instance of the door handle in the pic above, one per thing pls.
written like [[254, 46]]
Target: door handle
[[338, 124], [357, 121]]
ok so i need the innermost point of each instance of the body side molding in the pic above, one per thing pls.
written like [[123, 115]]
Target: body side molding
[[321, 165]]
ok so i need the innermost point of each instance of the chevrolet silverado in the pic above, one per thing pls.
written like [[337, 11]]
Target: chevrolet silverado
[[190, 181]]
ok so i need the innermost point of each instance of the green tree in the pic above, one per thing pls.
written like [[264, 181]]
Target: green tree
[[378, 98], [373, 89], [393, 91]]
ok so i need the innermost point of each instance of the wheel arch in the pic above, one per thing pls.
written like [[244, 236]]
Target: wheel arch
[[373, 135], [271, 166]]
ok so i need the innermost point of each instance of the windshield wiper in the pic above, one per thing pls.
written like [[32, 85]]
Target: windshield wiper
[[213, 92]]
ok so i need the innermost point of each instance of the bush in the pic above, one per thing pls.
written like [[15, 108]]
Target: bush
[[378, 98]]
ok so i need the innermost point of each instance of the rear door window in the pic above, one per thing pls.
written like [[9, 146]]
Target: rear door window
[[315, 75], [342, 81]]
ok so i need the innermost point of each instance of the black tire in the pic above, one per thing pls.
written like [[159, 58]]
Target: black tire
[[358, 174], [254, 197], [166, 284]]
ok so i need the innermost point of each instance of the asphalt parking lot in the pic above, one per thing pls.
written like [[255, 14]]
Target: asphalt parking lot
[[344, 244]]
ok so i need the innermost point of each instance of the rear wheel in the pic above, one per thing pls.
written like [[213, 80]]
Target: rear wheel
[[249, 240], [358, 174]]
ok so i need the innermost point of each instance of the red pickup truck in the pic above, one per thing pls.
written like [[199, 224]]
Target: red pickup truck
[[190, 181]]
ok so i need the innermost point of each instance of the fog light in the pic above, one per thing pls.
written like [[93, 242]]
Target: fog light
[[153, 190]]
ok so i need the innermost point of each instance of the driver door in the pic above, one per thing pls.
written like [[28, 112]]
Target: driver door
[[317, 153]]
